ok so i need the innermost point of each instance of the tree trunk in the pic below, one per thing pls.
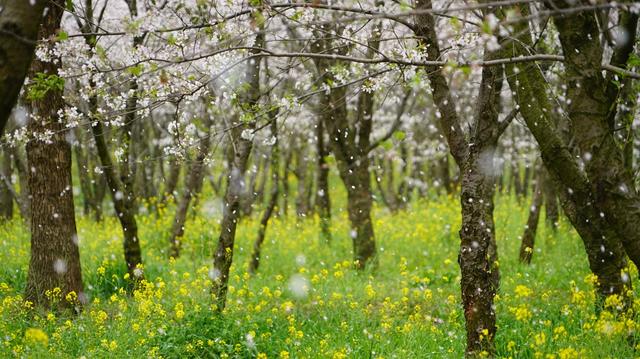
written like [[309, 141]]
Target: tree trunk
[[248, 197], [475, 158], [6, 187], [20, 23], [529, 235], [602, 244], [590, 109], [359, 204], [172, 182], [223, 257], [123, 204], [477, 257], [322, 200], [552, 215], [285, 180], [192, 188], [254, 262], [24, 197], [301, 170], [238, 156], [55, 257]]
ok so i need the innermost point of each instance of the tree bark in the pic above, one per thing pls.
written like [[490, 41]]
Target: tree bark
[[254, 262], [529, 235], [6, 187], [475, 158], [223, 257], [550, 199], [122, 203], [602, 244], [351, 144], [20, 23], [23, 198], [55, 257], [238, 156], [322, 199], [192, 189], [612, 184], [172, 182]]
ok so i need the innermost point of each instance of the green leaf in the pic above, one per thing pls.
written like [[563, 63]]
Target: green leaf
[[399, 135], [62, 35], [136, 70], [42, 84], [634, 61]]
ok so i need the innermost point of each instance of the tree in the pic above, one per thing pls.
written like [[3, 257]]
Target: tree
[[475, 158], [193, 186], [55, 257], [20, 22], [239, 149], [254, 261], [576, 197]]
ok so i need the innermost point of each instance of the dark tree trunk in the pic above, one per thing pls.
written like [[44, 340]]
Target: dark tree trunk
[[322, 199], [6, 187], [120, 185], [552, 215], [576, 198], [593, 98], [55, 257], [359, 204], [525, 181], [248, 197], [285, 180], [192, 189], [254, 262], [223, 257], [529, 235], [238, 156], [478, 252], [123, 203], [477, 257], [20, 22], [351, 144], [301, 170], [24, 197], [444, 175], [516, 179], [92, 194], [172, 182]]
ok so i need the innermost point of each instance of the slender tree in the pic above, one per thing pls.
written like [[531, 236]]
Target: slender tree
[[237, 156], [192, 188], [254, 262]]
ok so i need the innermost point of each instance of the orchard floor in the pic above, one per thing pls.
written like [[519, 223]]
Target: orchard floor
[[306, 301]]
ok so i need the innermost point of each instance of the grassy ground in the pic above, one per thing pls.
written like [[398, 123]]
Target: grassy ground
[[306, 301]]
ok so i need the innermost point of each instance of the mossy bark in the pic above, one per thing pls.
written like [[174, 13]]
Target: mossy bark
[[602, 244]]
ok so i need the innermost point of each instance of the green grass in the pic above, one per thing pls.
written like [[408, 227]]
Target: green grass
[[408, 308]]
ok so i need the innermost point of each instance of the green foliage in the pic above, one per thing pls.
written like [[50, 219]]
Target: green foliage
[[408, 308], [136, 70], [62, 35], [399, 135], [42, 83]]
